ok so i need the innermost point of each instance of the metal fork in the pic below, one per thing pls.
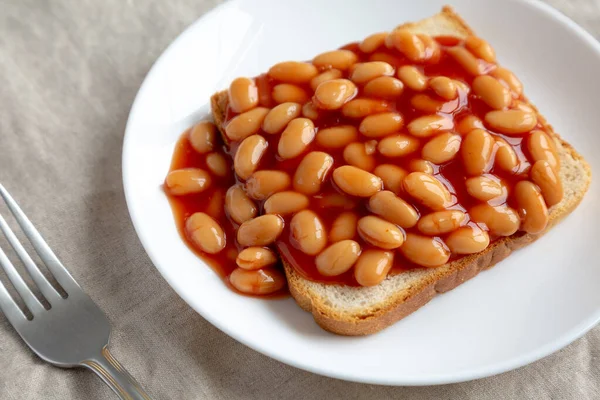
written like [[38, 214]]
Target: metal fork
[[74, 332]]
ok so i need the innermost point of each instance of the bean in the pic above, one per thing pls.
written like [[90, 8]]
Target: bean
[[343, 227], [187, 181], [248, 155], [259, 282], [356, 182], [296, 137], [308, 232], [500, 220], [380, 233], [293, 72], [245, 124], [425, 251], [441, 222], [203, 137], [279, 116], [205, 232], [311, 172], [243, 95], [284, 203], [337, 258], [373, 266], [393, 209], [238, 205], [253, 258], [260, 231], [468, 240], [264, 183], [427, 190]]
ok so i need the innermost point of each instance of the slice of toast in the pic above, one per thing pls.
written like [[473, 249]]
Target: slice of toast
[[348, 310]]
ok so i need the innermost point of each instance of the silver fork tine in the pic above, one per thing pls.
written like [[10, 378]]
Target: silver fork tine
[[8, 306], [26, 294], [40, 280], [41, 247]]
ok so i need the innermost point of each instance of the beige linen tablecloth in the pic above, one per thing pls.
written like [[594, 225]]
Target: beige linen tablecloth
[[69, 71]]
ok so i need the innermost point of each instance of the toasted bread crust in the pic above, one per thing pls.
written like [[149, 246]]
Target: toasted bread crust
[[439, 280]]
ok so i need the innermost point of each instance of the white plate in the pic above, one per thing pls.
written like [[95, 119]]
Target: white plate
[[539, 300]]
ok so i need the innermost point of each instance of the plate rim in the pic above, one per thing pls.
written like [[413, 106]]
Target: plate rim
[[575, 333]]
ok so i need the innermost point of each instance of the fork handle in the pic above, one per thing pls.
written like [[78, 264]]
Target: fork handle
[[115, 376]]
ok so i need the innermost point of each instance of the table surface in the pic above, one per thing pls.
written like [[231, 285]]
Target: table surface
[[70, 71]]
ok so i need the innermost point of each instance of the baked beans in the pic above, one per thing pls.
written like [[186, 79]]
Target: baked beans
[[427, 190], [532, 208], [425, 251], [356, 182], [412, 78], [359, 108], [510, 79], [356, 154], [293, 72], [441, 148], [393, 209], [467, 60], [339, 59], [480, 48], [258, 282], [372, 42], [477, 149], [333, 94], [398, 145], [420, 165], [260, 231], [264, 183], [311, 172], [299, 133], [337, 136], [506, 158], [391, 176], [248, 155], [238, 205], [543, 175], [429, 125], [187, 181], [217, 164], [202, 137], [378, 125], [308, 232], [380, 233], [492, 92], [279, 116], [343, 227], [484, 187], [409, 44], [284, 203], [511, 122], [385, 87], [373, 266], [328, 75], [468, 123], [243, 95], [253, 258], [500, 220], [364, 72], [441, 222], [468, 240], [338, 258], [444, 87], [288, 93], [542, 148], [205, 233], [427, 104], [246, 124]]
